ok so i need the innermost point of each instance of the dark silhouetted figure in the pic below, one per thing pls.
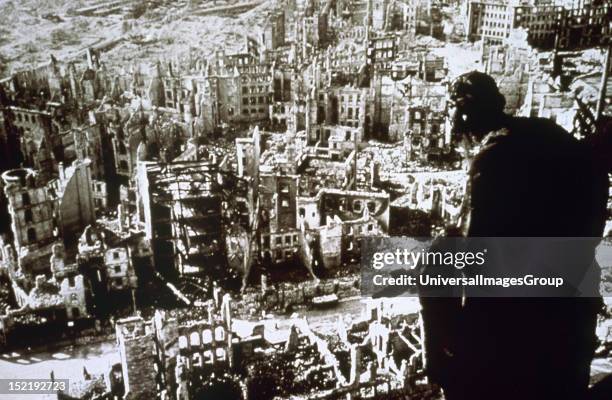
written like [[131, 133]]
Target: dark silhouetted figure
[[527, 178]]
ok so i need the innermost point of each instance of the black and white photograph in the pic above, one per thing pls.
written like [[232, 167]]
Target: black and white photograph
[[305, 200]]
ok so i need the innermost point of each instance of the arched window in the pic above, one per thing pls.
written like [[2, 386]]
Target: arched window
[[195, 339], [207, 336]]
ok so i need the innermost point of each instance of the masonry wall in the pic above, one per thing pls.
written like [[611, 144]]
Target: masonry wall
[[137, 353], [30, 208], [77, 203]]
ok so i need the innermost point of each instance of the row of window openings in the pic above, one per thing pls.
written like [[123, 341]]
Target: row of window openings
[[495, 15], [543, 17], [278, 241], [206, 338], [342, 61], [363, 229], [350, 112], [357, 205], [243, 60], [246, 111], [495, 24], [254, 89], [262, 77], [384, 54], [384, 44], [26, 118], [254, 100], [350, 98], [280, 254], [200, 360], [302, 213], [490, 32], [548, 27]]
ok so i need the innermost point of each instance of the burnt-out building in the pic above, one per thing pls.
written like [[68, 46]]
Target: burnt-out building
[[255, 91], [492, 20], [339, 140], [282, 85], [425, 139], [181, 207], [383, 49], [566, 26], [127, 133], [278, 228], [348, 106], [38, 137], [350, 205]]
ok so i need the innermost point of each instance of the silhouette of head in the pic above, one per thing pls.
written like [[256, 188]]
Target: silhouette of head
[[475, 104]]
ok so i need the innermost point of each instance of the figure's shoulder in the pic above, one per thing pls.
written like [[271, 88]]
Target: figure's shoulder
[[536, 129], [533, 122]]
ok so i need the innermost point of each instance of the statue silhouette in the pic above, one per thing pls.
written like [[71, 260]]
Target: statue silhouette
[[527, 178]]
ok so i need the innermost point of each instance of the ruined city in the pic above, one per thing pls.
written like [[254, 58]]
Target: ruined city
[[186, 184]]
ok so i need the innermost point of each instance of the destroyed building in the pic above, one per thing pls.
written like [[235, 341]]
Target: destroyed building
[[44, 305], [379, 355], [549, 24], [43, 210]]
